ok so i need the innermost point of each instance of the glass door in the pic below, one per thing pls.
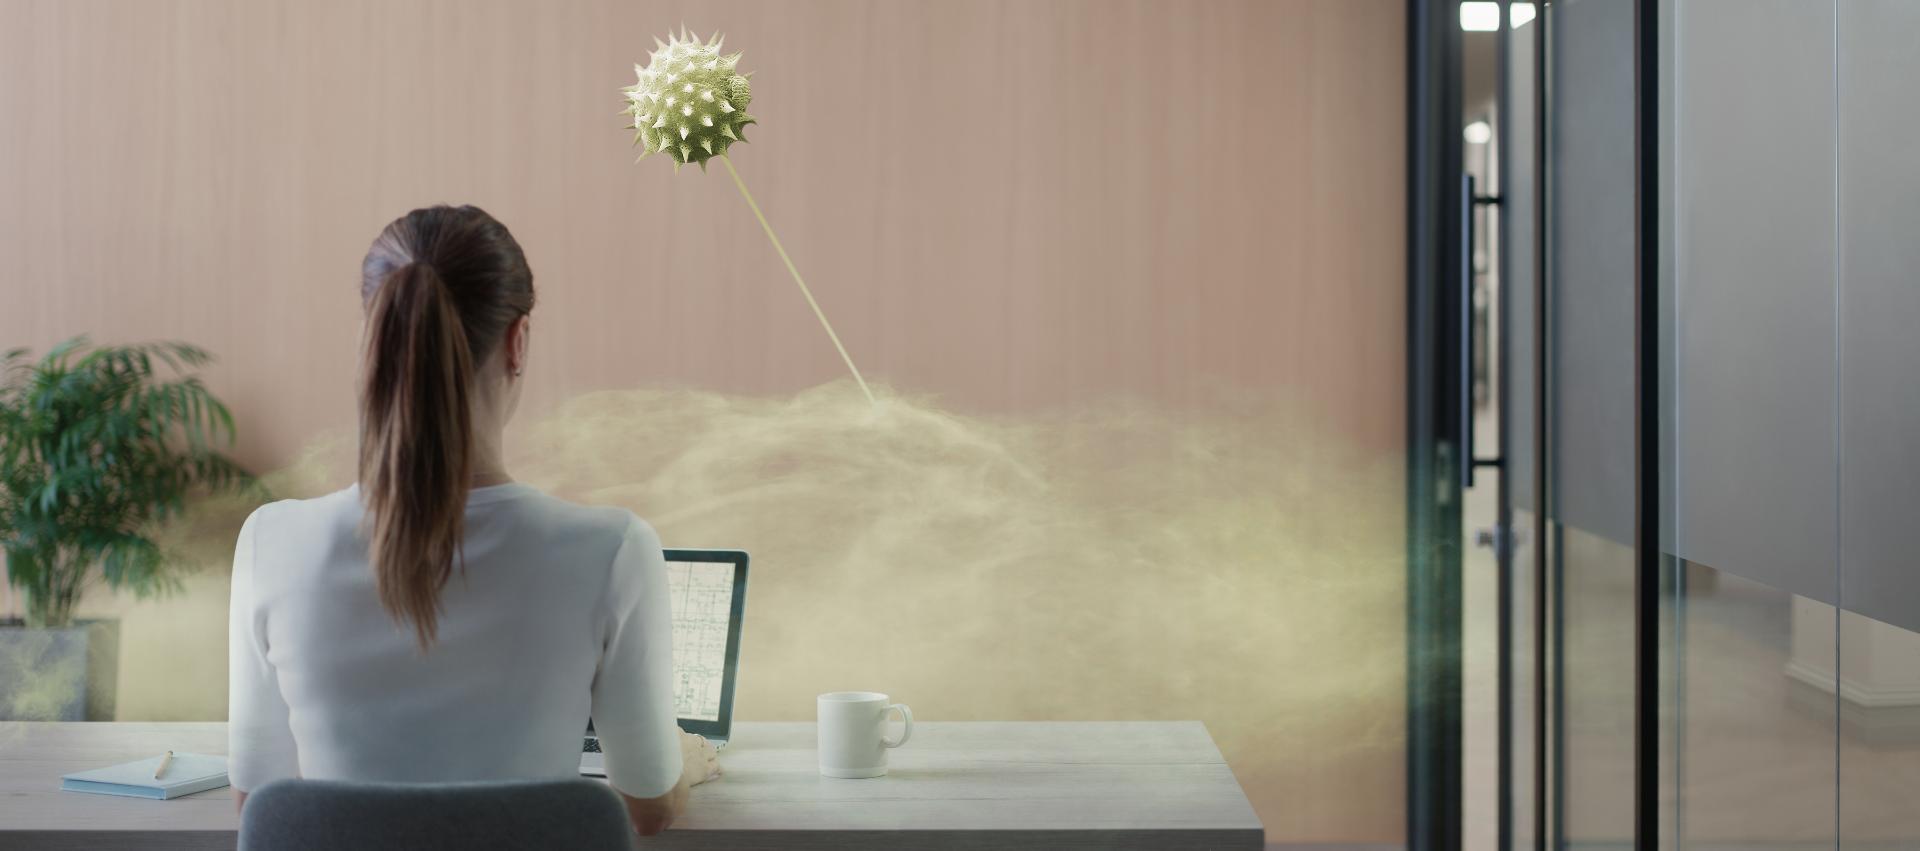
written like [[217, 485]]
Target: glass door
[[1521, 596], [1488, 603], [1537, 377], [1553, 596], [1589, 359]]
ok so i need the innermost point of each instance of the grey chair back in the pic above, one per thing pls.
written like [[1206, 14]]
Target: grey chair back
[[324, 815]]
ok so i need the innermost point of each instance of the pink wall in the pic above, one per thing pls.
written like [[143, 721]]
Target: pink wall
[[1014, 205]]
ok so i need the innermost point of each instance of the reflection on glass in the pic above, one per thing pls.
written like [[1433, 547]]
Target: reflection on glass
[[1756, 686], [1479, 692], [1519, 179], [1480, 512], [1879, 707], [1877, 133], [1521, 701], [1597, 596]]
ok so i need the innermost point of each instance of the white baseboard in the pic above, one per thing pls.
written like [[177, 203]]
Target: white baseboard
[[1853, 691]]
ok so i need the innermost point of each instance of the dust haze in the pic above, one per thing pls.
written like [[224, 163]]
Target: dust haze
[[1108, 562], [1235, 562]]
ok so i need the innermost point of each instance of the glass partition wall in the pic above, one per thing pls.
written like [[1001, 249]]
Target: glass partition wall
[[1702, 255], [1795, 423], [1753, 420]]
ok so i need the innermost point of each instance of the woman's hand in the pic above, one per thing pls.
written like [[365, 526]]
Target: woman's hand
[[700, 762]]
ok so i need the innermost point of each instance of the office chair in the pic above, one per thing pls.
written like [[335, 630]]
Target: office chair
[[322, 815]]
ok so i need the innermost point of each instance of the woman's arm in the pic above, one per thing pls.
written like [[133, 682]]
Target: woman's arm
[[260, 744], [652, 815], [699, 763], [649, 759]]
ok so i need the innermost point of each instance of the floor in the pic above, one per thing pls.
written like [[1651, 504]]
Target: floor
[[1753, 758]]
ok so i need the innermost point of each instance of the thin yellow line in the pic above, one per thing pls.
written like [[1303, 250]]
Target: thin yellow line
[[728, 162]]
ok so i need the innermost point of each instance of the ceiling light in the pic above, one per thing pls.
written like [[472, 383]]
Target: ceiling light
[[1480, 16]]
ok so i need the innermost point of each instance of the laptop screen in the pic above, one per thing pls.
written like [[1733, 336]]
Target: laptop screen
[[702, 608]]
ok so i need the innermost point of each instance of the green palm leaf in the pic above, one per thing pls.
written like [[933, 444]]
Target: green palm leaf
[[98, 446]]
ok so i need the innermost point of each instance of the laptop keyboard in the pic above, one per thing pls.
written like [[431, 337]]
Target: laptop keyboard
[[592, 746]]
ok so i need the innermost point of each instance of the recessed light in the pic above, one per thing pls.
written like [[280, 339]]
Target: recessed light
[[1480, 16]]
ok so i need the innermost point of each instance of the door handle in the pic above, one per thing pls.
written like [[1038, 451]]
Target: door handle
[[1465, 336]]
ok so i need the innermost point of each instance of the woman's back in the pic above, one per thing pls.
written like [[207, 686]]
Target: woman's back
[[556, 611], [431, 623]]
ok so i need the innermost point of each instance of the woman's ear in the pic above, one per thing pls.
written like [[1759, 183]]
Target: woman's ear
[[517, 342]]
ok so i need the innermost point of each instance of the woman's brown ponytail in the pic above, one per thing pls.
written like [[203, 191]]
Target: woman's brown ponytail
[[441, 286]]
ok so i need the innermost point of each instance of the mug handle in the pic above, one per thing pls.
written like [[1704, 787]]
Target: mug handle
[[906, 716]]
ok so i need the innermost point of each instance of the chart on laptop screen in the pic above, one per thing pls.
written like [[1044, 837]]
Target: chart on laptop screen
[[702, 605]]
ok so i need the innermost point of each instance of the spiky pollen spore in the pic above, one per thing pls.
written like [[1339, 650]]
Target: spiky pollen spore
[[689, 102]]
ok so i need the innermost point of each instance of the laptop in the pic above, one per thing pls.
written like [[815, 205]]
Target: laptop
[[709, 589]]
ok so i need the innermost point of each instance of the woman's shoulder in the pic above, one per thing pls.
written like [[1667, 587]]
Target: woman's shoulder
[[603, 527], [605, 520], [290, 538], [623, 550], [303, 512]]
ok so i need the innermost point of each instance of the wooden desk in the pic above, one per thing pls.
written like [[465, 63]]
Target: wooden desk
[[984, 785]]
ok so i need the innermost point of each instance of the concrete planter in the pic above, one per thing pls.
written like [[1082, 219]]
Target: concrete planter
[[66, 674]]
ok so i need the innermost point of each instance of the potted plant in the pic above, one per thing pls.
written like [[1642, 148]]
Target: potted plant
[[98, 447]]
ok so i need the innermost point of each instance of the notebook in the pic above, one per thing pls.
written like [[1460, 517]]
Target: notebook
[[186, 774]]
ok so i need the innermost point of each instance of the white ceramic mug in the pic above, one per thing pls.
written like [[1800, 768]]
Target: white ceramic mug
[[853, 738]]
